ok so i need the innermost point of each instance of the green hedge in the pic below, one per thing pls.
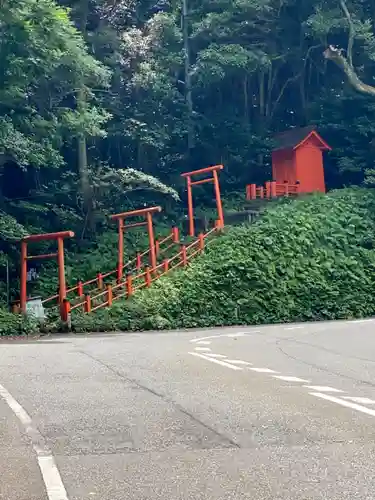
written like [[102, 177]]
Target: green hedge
[[16, 324], [309, 259]]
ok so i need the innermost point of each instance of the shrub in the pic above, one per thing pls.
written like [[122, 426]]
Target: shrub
[[16, 324], [309, 259]]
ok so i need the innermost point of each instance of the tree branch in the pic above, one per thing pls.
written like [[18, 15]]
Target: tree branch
[[351, 31], [335, 55]]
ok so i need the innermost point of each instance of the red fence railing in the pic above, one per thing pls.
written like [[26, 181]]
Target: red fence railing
[[144, 279], [271, 189], [100, 282]]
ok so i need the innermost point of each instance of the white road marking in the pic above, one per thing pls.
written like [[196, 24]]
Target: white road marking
[[343, 402], [237, 334], [17, 409], [322, 388], [293, 328], [212, 355], [290, 379], [202, 349], [204, 342], [198, 341], [51, 476], [238, 362], [217, 361], [262, 370], [363, 401]]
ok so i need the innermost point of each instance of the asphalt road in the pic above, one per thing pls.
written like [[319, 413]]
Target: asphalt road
[[282, 412]]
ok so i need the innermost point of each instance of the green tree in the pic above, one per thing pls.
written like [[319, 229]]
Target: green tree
[[43, 59]]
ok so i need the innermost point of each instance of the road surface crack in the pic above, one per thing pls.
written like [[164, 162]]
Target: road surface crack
[[163, 397]]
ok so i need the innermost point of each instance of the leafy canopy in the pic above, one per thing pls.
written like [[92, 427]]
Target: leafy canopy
[[44, 60]]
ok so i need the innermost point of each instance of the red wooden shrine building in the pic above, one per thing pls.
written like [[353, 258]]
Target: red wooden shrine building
[[297, 165]]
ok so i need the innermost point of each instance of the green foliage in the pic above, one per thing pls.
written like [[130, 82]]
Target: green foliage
[[114, 74], [16, 324], [311, 259], [42, 55]]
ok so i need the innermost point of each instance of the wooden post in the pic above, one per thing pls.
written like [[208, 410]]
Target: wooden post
[[87, 303], [218, 199], [65, 311], [99, 279], [23, 285], [261, 192], [286, 187], [109, 295], [166, 265], [120, 255], [148, 277], [273, 189], [253, 191], [248, 192], [139, 261], [184, 255], [150, 229], [268, 189], [129, 285], [201, 241], [176, 235], [190, 207], [80, 289], [157, 248], [61, 271]]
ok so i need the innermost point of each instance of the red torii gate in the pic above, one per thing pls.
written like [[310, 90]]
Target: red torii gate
[[59, 237], [148, 213], [215, 179]]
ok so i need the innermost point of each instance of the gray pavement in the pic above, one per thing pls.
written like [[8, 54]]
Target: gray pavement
[[142, 417]]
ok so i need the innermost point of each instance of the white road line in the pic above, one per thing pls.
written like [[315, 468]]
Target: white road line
[[204, 342], [363, 401], [52, 479], [237, 334], [202, 349], [293, 328], [212, 355], [51, 476], [217, 361], [198, 341], [17, 409], [262, 370], [290, 379], [322, 388], [343, 402], [238, 362]]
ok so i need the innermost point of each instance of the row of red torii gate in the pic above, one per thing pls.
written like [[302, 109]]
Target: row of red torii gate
[[297, 167]]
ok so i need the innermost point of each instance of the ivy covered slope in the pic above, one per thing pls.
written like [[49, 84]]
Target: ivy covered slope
[[311, 259]]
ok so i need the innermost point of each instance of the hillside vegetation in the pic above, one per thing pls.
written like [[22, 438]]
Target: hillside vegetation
[[310, 259]]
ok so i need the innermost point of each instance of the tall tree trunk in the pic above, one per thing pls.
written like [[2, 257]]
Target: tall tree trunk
[[188, 87], [262, 109], [83, 169], [261, 99], [83, 166], [246, 99]]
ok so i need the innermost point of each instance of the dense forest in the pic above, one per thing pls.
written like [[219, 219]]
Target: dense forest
[[105, 102]]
